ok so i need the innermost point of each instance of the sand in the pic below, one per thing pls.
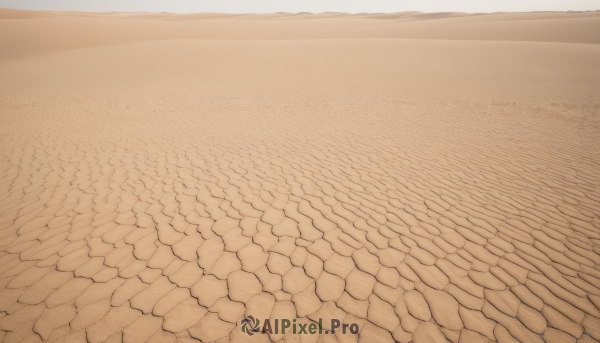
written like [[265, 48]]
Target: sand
[[429, 177]]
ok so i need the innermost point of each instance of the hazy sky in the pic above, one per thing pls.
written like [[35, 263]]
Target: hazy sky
[[261, 6]]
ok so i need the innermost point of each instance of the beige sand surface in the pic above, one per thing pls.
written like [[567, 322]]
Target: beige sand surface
[[430, 177]]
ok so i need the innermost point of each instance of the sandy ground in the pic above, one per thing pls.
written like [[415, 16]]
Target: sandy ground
[[430, 177]]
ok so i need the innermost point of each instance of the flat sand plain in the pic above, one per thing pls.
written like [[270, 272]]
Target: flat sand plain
[[430, 177]]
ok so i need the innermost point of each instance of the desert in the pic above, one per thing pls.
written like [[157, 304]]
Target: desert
[[399, 177]]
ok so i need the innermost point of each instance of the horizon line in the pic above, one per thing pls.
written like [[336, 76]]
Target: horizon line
[[294, 13]]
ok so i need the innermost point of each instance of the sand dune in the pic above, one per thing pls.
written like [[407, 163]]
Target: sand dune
[[429, 177], [22, 38]]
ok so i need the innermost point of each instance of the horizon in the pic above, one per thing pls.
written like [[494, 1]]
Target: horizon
[[308, 6], [293, 13]]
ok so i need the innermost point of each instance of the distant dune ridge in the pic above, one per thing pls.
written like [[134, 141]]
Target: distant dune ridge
[[431, 177], [65, 30]]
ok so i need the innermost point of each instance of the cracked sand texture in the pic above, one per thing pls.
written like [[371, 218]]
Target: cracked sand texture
[[163, 176]]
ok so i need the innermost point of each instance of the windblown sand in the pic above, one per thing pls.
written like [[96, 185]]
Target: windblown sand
[[430, 177]]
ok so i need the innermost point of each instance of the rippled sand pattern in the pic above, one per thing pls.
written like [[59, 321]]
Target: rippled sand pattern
[[167, 209]]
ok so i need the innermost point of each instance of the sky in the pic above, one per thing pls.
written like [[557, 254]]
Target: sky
[[315, 6]]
